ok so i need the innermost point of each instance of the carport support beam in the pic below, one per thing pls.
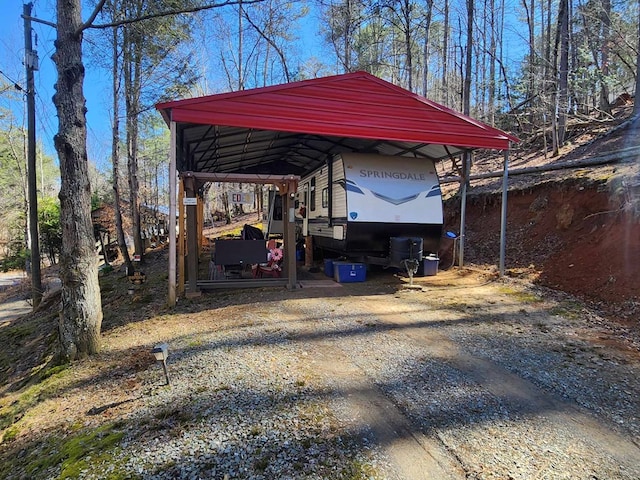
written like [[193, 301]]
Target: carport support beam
[[289, 224], [192, 237], [503, 213], [466, 167], [171, 224]]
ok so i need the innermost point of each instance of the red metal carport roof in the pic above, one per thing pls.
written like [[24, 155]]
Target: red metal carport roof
[[292, 128]]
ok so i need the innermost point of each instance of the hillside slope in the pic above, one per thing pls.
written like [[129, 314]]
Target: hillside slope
[[576, 230]]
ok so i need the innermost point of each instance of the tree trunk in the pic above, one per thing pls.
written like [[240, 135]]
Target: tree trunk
[[81, 315], [605, 19], [563, 73], [225, 206], [240, 46], [406, 18], [445, 53], [531, 71], [347, 37], [425, 55], [132, 62], [493, 48], [115, 154], [466, 95]]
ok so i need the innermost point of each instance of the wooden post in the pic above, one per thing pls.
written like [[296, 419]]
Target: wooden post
[[200, 225], [466, 166], [503, 213], [171, 224], [192, 237], [181, 249], [308, 251], [287, 188], [289, 226]]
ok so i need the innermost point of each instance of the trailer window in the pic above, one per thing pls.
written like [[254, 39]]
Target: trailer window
[[312, 194], [325, 197]]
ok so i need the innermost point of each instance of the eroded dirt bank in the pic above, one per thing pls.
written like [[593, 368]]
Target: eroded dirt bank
[[579, 237]]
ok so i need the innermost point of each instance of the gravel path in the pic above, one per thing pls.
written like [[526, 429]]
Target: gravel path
[[451, 381], [503, 405]]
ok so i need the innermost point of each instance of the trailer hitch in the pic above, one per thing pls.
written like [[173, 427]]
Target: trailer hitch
[[411, 265]]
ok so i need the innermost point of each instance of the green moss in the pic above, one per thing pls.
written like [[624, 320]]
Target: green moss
[[522, 296], [85, 451], [569, 310], [10, 434], [54, 371], [196, 342], [49, 381], [18, 332], [357, 470]]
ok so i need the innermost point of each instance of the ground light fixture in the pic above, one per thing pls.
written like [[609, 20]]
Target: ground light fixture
[[161, 352]]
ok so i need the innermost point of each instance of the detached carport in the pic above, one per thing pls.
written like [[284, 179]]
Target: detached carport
[[277, 134]]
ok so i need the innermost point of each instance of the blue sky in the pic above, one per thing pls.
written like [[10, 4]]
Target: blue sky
[[96, 87], [11, 64]]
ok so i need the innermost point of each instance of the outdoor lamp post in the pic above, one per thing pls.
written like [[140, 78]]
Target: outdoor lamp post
[[161, 352]]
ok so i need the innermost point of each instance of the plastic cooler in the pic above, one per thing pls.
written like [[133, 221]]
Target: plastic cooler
[[345, 272], [429, 266]]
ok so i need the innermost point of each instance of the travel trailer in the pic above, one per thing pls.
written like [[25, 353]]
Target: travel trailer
[[367, 206]]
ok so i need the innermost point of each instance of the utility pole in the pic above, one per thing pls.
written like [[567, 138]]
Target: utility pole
[[31, 64]]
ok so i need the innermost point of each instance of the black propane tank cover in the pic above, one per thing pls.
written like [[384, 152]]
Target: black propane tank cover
[[399, 250], [415, 248]]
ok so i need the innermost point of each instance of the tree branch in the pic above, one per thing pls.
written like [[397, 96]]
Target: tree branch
[[91, 18], [271, 42], [168, 13]]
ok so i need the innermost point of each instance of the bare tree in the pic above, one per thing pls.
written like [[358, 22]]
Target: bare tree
[[562, 77], [425, 51], [343, 19], [402, 20], [272, 21], [445, 54], [115, 135], [466, 92], [81, 314], [132, 63]]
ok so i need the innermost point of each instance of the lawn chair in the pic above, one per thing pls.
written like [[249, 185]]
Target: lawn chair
[[270, 269]]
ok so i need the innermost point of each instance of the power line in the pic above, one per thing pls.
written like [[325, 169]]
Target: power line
[[15, 84]]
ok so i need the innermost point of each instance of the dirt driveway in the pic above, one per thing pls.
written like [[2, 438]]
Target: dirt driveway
[[468, 378], [13, 306], [461, 377]]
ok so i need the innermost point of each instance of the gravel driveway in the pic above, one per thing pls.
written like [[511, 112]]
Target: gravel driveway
[[463, 378]]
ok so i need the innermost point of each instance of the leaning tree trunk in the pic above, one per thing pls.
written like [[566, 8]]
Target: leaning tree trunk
[[115, 155], [563, 73], [132, 84], [81, 315]]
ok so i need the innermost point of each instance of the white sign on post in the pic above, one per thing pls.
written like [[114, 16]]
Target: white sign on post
[[190, 201]]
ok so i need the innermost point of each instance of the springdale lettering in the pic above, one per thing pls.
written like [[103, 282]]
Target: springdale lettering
[[395, 175]]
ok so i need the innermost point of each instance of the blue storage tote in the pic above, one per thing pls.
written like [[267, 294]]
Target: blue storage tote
[[345, 272], [429, 266], [328, 267]]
